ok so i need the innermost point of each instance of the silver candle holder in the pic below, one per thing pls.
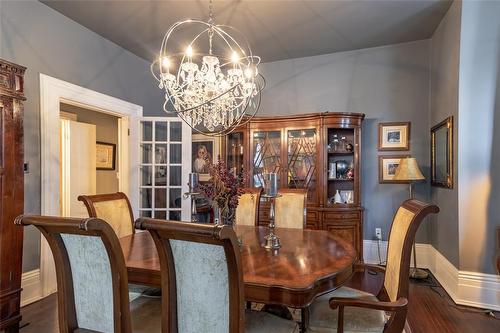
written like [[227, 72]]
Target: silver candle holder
[[272, 241], [193, 185]]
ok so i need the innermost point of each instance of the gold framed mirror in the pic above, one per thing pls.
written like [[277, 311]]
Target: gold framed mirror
[[442, 154]]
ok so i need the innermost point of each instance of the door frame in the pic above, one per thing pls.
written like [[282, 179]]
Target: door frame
[[52, 92]]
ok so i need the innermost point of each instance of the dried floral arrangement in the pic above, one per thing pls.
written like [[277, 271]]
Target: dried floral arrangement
[[223, 189]]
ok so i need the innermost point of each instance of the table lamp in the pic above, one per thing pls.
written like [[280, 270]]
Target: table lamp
[[409, 171]]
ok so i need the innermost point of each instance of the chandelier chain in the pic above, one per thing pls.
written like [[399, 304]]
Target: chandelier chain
[[210, 22]]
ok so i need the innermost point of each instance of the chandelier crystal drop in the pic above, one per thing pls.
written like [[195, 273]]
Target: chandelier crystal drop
[[213, 91]]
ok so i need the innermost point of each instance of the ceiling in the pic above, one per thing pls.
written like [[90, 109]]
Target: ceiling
[[276, 29]]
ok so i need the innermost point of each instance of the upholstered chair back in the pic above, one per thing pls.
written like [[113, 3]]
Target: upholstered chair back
[[404, 227], [114, 208], [201, 276], [91, 273], [290, 208], [247, 212]]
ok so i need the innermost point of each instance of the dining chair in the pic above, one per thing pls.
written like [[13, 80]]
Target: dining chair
[[247, 212], [290, 208], [114, 208], [92, 278], [352, 310], [202, 280]]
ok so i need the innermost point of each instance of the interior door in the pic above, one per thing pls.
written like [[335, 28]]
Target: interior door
[[78, 166]]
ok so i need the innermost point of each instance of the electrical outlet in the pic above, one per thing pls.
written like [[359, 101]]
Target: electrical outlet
[[378, 233]]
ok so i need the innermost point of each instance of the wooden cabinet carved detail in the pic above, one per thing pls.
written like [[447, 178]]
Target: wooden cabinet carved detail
[[302, 149], [11, 193]]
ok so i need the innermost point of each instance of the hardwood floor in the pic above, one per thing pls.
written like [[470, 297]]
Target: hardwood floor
[[430, 310]]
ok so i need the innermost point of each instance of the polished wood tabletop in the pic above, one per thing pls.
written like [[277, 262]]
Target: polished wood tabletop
[[309, 263]]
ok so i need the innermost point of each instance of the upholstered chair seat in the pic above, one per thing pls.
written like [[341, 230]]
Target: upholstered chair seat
[[357, 320], [260, 321]]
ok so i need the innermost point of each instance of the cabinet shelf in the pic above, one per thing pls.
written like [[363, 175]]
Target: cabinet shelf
[[340, 180]]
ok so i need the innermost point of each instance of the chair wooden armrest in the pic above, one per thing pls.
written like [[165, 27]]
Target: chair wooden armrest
[[361, 267], [394, 324]]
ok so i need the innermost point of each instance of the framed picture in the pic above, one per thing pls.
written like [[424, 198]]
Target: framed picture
[[442, 154], [394, 136], [387, 166], [105, 156], [205, 151]]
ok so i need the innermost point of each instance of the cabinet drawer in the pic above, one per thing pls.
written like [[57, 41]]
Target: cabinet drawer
[[312, 225], [312, 215], [340, 216]]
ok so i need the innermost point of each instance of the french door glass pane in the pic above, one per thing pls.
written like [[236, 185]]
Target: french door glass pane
[[161, 175], [161, 214], [175, 215], [161, 153], [147, 149], [146, 175], [176, 131], [161, 129], [175, 175], [175, 198], [146, 198], [176, 153], [160, 198], [145, 213], [147, 131]]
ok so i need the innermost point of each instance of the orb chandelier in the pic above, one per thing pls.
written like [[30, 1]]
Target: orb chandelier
[[213, 91]]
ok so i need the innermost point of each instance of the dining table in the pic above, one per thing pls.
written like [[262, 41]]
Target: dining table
[[308, 264]]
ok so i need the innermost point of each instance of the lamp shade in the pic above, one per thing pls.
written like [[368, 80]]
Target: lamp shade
[[408, 170]]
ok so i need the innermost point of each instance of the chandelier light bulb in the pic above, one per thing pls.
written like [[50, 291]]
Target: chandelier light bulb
[[189, 52], [165, 62], [235, 58]]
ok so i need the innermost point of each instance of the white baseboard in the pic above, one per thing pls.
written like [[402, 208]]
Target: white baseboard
[[465, 288], [32, 287]]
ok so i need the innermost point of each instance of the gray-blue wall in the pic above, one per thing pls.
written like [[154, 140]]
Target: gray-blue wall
[[389, 83], [33, 35], [445, 52], [479, 136]]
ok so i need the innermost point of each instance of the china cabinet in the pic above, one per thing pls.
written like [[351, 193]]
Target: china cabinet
[[320, 152], [11, 193]]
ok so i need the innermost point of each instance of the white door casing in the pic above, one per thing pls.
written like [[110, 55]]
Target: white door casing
[[52, 92]]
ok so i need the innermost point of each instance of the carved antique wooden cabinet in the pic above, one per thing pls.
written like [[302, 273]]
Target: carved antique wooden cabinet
[[320, 152], [12, 193]]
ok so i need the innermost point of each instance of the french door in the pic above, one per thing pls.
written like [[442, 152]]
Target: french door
[[165, 163]]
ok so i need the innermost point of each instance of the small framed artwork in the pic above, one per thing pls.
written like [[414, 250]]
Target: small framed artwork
[[387, 166], [205, 151], [442, 154], [105, 156], [394, 136]]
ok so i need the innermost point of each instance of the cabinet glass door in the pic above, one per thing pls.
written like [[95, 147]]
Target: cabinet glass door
[[301, 160], [235, 151], [266, 155]]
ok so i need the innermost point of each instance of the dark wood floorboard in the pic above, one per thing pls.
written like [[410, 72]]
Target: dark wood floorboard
[[430, 310]]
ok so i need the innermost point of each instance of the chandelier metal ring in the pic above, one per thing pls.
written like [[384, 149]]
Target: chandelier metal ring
[[221, 93]]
